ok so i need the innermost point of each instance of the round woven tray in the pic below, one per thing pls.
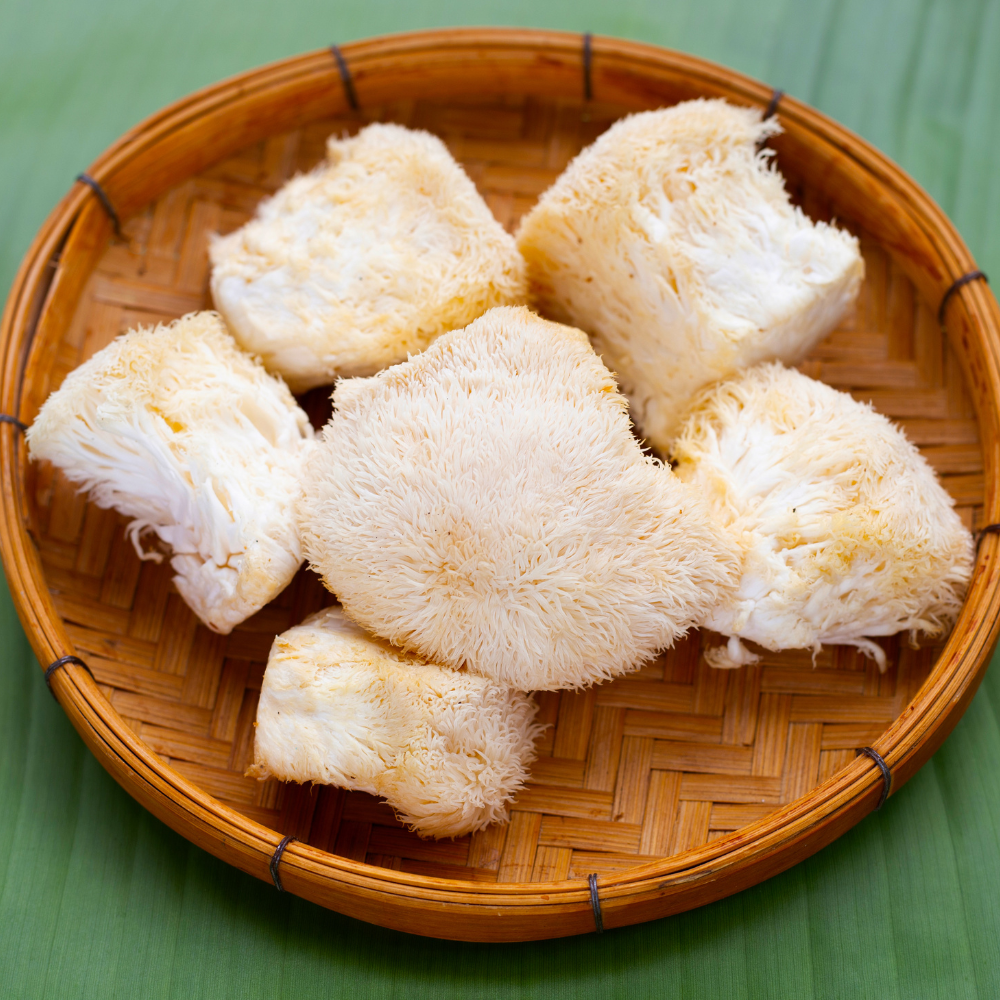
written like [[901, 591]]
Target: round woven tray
[[676, 785]]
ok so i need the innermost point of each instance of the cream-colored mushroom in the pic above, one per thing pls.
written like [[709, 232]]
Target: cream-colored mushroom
[[672, 242], [486, 505], [364, 261], [179, 429], [843, 529], [446, 749]]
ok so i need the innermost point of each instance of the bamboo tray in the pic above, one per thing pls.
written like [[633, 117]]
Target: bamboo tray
[[676, 785]]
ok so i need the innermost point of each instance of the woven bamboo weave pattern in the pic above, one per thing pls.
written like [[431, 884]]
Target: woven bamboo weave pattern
[[647, 766]]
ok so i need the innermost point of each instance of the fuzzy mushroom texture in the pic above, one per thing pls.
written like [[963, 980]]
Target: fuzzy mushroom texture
[[179, 429], [364, 261], [843, 529], [486, 505], [672, 241], [446, 749]]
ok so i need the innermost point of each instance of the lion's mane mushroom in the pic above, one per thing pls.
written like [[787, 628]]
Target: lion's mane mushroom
[[843, 529], [179, 429], [672, 241], [446, 749], [486, 505], [364, 261]]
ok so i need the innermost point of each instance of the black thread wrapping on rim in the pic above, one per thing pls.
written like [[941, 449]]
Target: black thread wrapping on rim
[[986, 529], [6, 418], [769, 112], [105, 201], [954, 287], [276, 860], [346, 78], [588, 61], [772, 107], [61, 662], [886, 773], [595, 903]]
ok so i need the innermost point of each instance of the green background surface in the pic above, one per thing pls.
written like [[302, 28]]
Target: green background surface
[[98, 899]]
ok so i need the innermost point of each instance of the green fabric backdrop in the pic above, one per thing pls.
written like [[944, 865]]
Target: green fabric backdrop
[[98, 899]]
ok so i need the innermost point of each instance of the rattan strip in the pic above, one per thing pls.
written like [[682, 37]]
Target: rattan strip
[[595, 903], [345, 78], [105, 201], [61, 662], [886, 773], [956, 286], [276, 861]]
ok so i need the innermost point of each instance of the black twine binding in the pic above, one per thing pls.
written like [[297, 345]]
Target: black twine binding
[[588, 59], [276, 860], [104, 200], [886, 773], [61, 662], [769, 112], [6, 418], [954, 287], [345, 77], [772, 107], [986, 529], [595, 902]]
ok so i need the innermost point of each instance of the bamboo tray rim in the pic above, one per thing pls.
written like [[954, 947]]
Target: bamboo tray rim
[[852, 790]]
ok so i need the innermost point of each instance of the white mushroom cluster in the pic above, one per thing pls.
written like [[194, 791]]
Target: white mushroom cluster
[[478, 502], [672, 241], [177, 428], [486, 505], [364, 261], [446, 749], [842, 528]]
